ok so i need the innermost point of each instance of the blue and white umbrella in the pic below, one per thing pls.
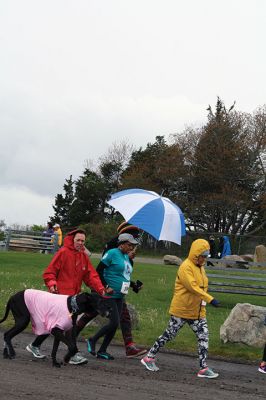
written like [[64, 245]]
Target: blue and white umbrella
[[152, 213]]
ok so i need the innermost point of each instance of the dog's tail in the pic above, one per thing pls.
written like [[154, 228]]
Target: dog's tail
[[7, 312]]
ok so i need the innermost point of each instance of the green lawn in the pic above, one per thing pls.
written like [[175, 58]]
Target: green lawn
[[23, 270]]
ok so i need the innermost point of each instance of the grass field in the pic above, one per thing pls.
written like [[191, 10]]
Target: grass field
[[19, 271]]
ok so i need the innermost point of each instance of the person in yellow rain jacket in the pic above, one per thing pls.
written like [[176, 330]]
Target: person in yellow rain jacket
[[188, 306], [57, 238]]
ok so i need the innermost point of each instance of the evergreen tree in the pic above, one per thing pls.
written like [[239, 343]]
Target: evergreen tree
[[64, 203]]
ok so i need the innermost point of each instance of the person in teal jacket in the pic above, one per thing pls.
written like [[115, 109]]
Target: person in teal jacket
[[115, 271]]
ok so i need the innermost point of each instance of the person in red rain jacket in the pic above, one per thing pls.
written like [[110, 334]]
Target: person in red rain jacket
[[69, 268]]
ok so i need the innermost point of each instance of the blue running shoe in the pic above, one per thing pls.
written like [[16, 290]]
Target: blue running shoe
[[105, 356], [91, 347]]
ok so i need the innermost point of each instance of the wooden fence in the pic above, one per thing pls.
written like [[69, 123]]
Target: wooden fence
[[29, 241], [237, 280]]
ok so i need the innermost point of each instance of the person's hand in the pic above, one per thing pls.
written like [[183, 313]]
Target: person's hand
[[109, 290], [136, 286], [53, 289], [215, 303]]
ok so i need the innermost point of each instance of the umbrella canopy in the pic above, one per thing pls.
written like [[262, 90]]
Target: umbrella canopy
[[152, 213]]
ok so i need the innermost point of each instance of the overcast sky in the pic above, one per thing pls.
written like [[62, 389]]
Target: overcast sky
[[79, 75]]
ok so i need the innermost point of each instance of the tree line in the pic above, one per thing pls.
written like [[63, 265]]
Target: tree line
[[215, 173]]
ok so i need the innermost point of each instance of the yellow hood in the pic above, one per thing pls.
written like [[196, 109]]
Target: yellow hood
[[198, 247]]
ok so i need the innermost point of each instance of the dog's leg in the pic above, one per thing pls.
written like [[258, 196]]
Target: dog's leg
[[38, 341], [54, 350], [8, 351], [22, 318], [60, 337]]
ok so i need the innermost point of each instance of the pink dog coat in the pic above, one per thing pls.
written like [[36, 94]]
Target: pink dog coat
[[47, 311]]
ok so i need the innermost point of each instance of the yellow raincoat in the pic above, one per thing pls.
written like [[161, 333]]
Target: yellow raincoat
[[191, 285], [59, 237]]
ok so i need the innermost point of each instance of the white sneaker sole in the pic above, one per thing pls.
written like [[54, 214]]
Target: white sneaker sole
[[42, 356], [153, 369], [208, 377], [78, 363]]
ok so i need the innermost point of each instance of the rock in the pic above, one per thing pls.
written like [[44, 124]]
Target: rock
[[234, 261], [247, 257], [172, 260], [134, 317], [245, 324], [260, 254]]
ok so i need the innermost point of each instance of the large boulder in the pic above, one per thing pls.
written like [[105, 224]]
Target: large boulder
[[247, 257], [260, 254], [245, 324], [171, 260], [235, 261]]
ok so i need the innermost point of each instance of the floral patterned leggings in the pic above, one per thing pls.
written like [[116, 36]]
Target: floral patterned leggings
[[198, 326]]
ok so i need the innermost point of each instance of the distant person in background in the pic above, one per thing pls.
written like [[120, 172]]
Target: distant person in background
[[220, 246], [49, 230], [48, 233], [213, 250], [57, 238], [226, 251]]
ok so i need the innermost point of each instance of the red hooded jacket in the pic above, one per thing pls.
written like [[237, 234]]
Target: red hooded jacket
[[69, 268]]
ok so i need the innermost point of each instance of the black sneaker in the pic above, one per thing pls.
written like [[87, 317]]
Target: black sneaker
[[104, 355]]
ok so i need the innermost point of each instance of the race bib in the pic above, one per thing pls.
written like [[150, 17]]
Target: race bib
[[203, 303], [125, 287]]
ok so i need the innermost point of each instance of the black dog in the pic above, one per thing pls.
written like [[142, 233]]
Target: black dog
[[70, 307]]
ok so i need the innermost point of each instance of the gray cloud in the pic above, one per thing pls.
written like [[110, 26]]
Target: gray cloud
[[77, 76]]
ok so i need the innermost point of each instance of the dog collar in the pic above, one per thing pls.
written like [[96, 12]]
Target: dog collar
[[74, 305]]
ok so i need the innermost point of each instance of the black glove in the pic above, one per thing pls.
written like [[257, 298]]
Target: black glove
[[136, 286], [215, 303]]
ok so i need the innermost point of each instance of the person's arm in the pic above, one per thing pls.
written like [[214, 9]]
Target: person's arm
[[50, 274], [187, 279], [92, 279], [100, 269]]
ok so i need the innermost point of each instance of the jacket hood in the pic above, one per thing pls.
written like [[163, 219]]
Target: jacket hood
[[69, 239], [197, 248]]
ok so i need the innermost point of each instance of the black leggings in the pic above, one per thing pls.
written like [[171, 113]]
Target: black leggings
[[108, 330], [264, 354], [125, 323]]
